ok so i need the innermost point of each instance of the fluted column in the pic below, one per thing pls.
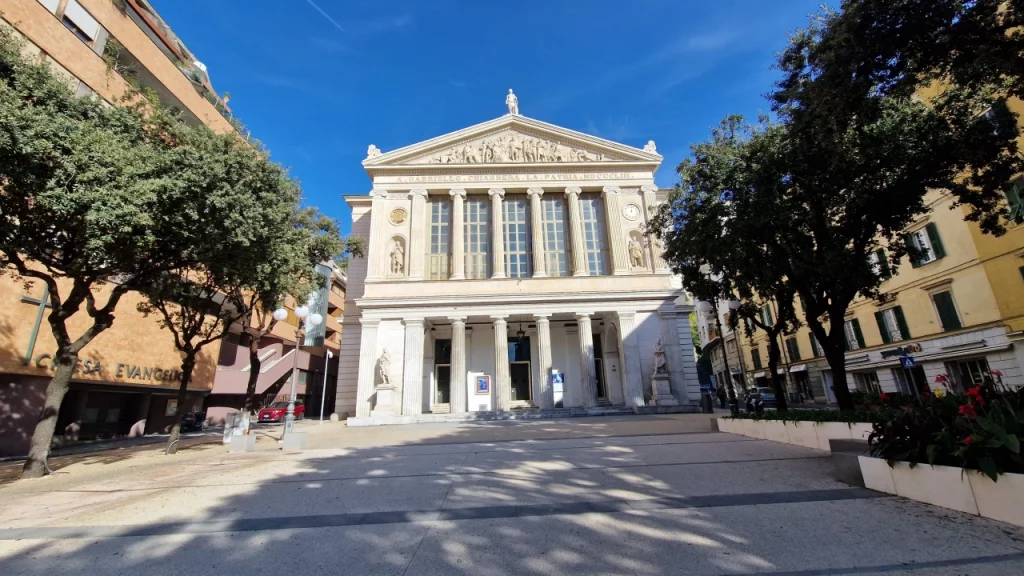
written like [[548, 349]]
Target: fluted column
[[588, 374], [579, 257], [650, 205], [417, 233], [502, 393], [367, 366], [537, 230], [632, 379], [458, 377], [412, 375], [497, 233], [546, 401], [458, 227], [613, 221], [378, 220]]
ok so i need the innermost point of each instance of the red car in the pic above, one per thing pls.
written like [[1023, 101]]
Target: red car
[[277, 411]]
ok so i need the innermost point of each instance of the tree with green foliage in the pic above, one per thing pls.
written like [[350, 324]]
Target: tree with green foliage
[[87, 209]]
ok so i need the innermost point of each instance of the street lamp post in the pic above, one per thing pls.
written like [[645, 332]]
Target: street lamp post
[[301, 312]]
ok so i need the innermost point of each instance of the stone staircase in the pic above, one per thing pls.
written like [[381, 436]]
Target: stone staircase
[[521, 414]]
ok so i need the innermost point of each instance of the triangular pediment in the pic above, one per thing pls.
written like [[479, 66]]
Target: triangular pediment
[[511, 139]]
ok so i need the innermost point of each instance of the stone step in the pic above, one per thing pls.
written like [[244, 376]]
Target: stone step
[[521, 414]]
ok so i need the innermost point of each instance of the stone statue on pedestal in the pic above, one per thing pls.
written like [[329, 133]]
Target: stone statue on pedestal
[[397, 258], [660, 366], [384, 368], [661, 388], [636, 255]]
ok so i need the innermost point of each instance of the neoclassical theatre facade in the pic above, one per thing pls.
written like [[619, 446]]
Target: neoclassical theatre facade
[[507, 269]]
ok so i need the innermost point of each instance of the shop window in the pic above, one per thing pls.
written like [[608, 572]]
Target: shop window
[[867, 382], [968, 373]]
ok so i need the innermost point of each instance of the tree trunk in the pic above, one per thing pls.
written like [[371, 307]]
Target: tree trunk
[[42, 436], [187, 366], [837, 362], [255, 364], [774, 353]]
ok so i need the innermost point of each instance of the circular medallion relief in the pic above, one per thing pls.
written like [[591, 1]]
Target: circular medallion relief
[[631, 211], [397, 216]]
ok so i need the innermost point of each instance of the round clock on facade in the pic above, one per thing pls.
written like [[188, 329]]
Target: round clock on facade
[[397, 216], [631, 211]]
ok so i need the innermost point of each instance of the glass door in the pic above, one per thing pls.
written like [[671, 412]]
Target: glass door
[[442, 371], [519, 371]]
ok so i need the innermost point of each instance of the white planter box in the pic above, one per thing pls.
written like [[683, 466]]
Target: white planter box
[[860, 430], [775, 431], [967, 491], [803, 434], [831, 430], [808, 434]]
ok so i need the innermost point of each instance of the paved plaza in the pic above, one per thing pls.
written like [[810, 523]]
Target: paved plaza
[[616, 495]]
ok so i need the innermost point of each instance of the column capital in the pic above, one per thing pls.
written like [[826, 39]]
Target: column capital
[[573, 191], [457, 319], [541, 316], [498, 318], [414, 321], [370, 322], [500, 192], [417, 192], [611, 190], [626, 315], [535, 191], [582, 315], [379, 193], [648, 188], [460, 192]]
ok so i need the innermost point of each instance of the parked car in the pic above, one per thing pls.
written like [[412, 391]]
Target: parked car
[[760, 398], [277, 411], [192, 421]]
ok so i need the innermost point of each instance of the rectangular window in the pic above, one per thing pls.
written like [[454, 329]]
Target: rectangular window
[[880, 264], [793, 349], [815, 347], [755, 354], [968, 373], [766, 315], [50, 5], [892, 325], [946, 309], [854, 337], [928, 245], [867, 382], [1015, 197], [595, 246], [903, 381], [556, 244], [515, 214], [80, 22], [477, 237], [438, 210]]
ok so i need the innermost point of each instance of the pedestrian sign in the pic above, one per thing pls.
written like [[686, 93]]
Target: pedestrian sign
[[908, 362]]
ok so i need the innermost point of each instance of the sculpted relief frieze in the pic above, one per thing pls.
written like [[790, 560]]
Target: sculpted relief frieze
[[528, 177], [509, 147]]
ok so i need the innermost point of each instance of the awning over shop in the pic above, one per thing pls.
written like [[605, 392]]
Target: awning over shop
[[760, 374], [798, 368]]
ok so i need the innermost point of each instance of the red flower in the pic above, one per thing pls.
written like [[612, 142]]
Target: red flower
[[883, 396], [942, 378], [997, 373], [968, 411], [969, 440], [975, 394]]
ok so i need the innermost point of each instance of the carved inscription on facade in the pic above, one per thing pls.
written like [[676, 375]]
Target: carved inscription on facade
[[511, 147], [445, 178]]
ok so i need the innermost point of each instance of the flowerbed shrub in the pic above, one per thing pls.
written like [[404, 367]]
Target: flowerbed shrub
[[816, 416], [980, 428]]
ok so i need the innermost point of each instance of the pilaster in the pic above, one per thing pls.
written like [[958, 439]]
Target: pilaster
[[367, 366], [502, 389], [412, 376], [375, 250], [457, 227], [632, 381], [657, 254], [458, 375], [613, 221], [579, 257], [417, 233], [497, 233], [588, 374], [546, 399], [669, 321], [537, 231]]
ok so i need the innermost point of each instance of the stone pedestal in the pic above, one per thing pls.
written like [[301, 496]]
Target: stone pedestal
[[386, 401], [294, 441], [242, 443], [661, 391]]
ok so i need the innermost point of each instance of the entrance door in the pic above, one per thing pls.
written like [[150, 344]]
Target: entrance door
[[519, 371], [442, 371], [602, 386], [830, 394]]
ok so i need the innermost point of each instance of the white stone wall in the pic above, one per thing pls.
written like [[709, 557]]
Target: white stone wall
[[348, 355]]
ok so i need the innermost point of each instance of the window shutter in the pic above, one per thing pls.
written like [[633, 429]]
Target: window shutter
[[768, 315], [794, 350], [1015, 197], [947, 311], [933, 237], [846, 340], [880, 319], [901, 322], [883, 265], [908, 239], [856, 330], [815, 351]]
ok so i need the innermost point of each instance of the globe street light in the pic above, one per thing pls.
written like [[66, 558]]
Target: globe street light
[[301, 312]]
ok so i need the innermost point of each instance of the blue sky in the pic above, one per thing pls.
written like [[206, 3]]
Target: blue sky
[[319, 80]]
